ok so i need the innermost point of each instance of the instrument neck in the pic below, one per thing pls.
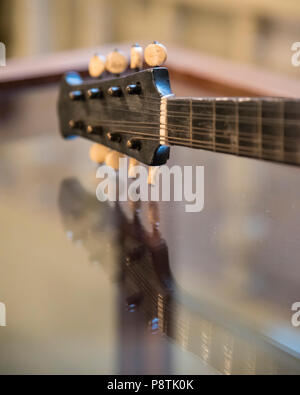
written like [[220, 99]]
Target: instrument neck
[[264, 128]]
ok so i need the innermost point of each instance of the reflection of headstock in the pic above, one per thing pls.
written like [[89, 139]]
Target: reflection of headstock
[[120, 107], [106, 232], [144, 274]]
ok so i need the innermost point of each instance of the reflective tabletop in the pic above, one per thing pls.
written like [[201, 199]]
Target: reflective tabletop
[[94, 287]]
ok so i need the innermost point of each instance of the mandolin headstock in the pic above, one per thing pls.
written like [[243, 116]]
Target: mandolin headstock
[[120, 111]]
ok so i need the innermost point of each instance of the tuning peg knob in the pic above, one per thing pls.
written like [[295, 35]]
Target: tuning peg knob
[[76, 124], [97, 65], [76, 95], [155, 54], [98, 153], [112, 159], [136, 57], [116, 62], [153, 170], [94, 93], [114, 137]]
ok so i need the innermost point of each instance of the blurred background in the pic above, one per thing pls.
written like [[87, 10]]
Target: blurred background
[[259, 32]]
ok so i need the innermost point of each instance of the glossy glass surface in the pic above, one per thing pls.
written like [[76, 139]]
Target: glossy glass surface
[[93, 287]]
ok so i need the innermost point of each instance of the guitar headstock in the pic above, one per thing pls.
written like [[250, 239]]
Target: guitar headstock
[[120, 107]]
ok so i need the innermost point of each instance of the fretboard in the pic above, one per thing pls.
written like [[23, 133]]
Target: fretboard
[[264, 128]]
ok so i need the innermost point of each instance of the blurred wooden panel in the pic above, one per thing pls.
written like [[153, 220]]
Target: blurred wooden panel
[[253, 31], [188, 67]]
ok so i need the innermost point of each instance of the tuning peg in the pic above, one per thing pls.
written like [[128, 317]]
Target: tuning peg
[[97, 65], [155, 54], [153, 170], [136, 57], [76, 124], [132, 163], [76, 95], [116, 62], [98, 153], [112, 159]]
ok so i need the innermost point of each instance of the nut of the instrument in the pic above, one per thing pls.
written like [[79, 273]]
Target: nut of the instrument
[[97, 65], [136, 57], [98, 153], [155, 54], [116, 62], [112, 159]]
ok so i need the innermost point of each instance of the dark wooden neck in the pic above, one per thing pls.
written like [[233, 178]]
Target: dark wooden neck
[[264, 128]]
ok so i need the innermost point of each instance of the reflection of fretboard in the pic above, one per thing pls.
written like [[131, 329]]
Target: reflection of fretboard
[[148, 286], [254, 127]]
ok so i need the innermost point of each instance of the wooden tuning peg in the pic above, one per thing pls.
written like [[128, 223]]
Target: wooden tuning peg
[[96, 65], [155, 54], [116, 62], [112, 159], [136, 57], [98, 153]]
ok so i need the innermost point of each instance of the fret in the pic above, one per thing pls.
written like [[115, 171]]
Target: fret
[[191, 122], [203, 121], [226, 132], [272, 121], [249, 125], [263, 128], [178, 120], [292, 131]]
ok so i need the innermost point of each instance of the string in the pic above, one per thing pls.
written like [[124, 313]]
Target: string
[[197, 131], [244, 150], [229, 118], [226, 117], [227, 103]]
